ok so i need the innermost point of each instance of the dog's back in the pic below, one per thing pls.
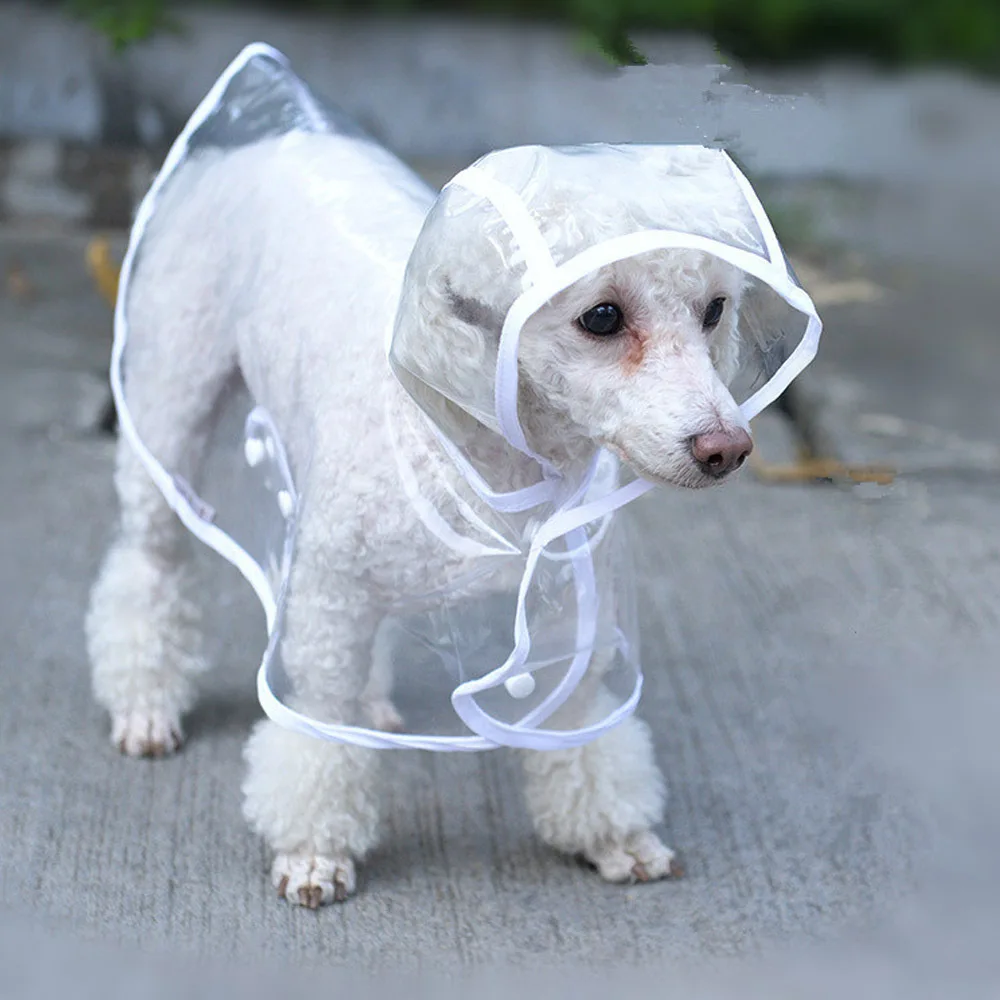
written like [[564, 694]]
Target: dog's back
[[286, 256]]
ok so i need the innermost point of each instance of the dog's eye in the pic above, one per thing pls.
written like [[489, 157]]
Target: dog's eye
[[605, 320], [713, 313]]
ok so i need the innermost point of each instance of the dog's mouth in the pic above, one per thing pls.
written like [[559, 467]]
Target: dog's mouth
[[684, 472]]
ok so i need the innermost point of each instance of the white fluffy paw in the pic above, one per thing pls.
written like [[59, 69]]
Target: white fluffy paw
[[146, 733], [313, 879], [641, 857]]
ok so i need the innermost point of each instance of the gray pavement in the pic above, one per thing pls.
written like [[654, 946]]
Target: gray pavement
[[822, 682]]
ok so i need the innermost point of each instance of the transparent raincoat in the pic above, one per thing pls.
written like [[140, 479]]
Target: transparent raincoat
[[538, 611]]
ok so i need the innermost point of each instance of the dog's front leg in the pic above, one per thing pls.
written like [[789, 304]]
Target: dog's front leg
[[316, 802], [601, 800]]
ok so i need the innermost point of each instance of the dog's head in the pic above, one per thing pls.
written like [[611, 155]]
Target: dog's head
[[637, 356]]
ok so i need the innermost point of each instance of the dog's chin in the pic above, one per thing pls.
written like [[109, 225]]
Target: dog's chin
[[682, 472]]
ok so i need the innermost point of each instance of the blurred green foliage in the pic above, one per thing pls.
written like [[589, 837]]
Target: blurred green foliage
[[893, 32], [123, 21]]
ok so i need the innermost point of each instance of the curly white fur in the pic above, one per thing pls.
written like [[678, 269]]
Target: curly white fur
[[284, 262], [601, 800]]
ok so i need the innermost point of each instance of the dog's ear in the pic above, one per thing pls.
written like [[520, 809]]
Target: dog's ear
[[474, 312], [451, 340], [764, 340], [454, 302]]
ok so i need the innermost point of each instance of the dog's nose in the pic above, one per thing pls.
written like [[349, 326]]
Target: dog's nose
[[720, 452]]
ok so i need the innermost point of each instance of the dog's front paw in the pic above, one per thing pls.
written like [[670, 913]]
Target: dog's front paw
[[640, 857], [313, 880], [146, 733]]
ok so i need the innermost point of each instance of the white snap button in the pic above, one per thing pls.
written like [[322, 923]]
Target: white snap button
[[253, 449], [285, 503], [520, 686]]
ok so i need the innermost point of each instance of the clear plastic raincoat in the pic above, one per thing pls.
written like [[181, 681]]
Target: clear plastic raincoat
[[541, 602]]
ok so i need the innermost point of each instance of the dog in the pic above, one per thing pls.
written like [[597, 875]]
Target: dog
[[635, 358]]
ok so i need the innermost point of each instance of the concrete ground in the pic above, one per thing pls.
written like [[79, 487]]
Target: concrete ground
[[821, 677]]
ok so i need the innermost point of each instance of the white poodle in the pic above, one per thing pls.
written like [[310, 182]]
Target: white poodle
[[635, 357]]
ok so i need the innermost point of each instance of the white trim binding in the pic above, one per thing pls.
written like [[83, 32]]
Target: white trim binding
[[193, 512]]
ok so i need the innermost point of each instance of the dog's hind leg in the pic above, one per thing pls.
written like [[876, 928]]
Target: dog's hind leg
[[142, 626], [376, 699], [316, 803], [600, 801]]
